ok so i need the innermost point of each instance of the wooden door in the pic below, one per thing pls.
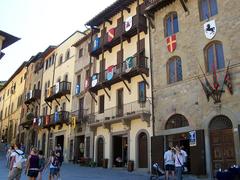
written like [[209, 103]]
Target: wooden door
[[157, 150], [120, 102], [222, 148], [100, 144], [143, 150], [197, 155]]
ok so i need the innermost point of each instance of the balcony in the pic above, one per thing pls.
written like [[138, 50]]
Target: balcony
[[156, 4], [32, 95], [57, 91], [82, 115], [57, 118], [139, 23], [101, 44], [129, 68], [28, 120], [108, 44], [123, 114]]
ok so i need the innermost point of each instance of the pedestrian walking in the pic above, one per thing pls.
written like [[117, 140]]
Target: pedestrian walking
[[169, 163], [16, 164], [54, 163], [32, 167], [8, 155], [179, 159], [41, 164]]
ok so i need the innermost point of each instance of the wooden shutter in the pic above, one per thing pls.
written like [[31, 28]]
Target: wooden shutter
[[119, 26], [119, 58], [157, 150], [141, 45], [102, 70], [141, 8], [197, 152]]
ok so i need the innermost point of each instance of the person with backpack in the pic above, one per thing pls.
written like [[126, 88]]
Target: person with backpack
[[32, 167], [16, 164], [54, 162]]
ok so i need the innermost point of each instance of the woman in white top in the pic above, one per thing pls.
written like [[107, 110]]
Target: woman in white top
[[179, 160]]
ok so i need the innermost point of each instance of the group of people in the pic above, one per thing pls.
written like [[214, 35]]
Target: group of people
[[34, 164], [175, 159]]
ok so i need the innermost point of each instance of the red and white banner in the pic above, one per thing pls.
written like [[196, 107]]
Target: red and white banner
[[171, 43]]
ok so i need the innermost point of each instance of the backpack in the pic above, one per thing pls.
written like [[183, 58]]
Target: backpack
[[41, 163], [21, 161], [56, 162]]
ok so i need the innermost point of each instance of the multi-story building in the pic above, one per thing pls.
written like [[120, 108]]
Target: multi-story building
[[57, 87], [195, 90], [5, 41], [32, 98], [49, 59], [121, 85], [11, 95], [81, 139]]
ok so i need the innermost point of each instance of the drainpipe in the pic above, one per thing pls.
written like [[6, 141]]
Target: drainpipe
[[151, 72]]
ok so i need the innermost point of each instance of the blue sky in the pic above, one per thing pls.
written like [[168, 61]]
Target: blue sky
[[40, 23]]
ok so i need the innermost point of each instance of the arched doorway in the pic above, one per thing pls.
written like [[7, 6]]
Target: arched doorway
[[142, 150], [221, 143], [100, 146], [180, 139], [43, 142]]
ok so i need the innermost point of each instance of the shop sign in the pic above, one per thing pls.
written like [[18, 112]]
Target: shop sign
[[96, 43], [192, 138]]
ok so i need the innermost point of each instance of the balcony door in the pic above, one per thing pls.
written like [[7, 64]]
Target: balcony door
[[120, 102]]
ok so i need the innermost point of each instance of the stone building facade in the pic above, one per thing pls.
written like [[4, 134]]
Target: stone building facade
[[182, 55], [121, 86]]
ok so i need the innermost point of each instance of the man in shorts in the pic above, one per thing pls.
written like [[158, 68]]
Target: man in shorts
[[169, 163]]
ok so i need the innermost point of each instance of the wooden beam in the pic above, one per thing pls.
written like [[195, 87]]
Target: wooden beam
[[127, 9], [109, 21], [183, 3]]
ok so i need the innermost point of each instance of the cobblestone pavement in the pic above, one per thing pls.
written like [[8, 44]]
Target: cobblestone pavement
[[76, 172]]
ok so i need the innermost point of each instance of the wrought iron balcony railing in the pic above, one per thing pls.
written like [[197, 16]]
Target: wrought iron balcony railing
[[58, 90], [126, 111], [82, 115], [32, 96], [129, 68], [57, 118]]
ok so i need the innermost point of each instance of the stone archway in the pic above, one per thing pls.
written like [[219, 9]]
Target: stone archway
[[221, 142], [142, 150], [100, 151]]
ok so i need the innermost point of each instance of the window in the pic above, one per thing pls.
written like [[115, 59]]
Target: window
[[80, 53], [171, 24], [176, 121], [174, 70], [214, 56], [67, 55], [142, 91], [101, 104], [60, 60], [208, 8]]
